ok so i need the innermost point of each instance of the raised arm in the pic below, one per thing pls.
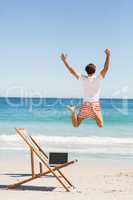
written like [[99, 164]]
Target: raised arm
[[70, 69], [106, 65]]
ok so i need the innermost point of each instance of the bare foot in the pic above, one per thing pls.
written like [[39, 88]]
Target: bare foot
[[71, 108]]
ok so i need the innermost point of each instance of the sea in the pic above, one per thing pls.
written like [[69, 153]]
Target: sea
[[49, 122]]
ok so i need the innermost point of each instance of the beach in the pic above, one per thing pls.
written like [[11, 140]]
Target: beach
[[93, 180]]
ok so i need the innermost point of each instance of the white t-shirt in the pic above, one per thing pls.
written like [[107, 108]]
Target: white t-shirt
[[92, 87]]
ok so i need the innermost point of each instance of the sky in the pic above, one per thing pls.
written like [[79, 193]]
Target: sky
[[33, 33]]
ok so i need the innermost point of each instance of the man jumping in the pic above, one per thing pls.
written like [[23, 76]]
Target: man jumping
[[90, 107]]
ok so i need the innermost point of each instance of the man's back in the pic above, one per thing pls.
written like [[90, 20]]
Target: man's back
[[91, 87]]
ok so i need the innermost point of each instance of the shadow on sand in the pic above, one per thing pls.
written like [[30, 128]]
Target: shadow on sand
[[23, 175], [30, 188]]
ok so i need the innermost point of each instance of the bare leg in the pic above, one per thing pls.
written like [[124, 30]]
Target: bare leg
[[99, 121], [98, 118], [75, 121]]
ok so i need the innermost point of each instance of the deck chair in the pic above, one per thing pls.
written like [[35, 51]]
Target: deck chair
[[37, 151]]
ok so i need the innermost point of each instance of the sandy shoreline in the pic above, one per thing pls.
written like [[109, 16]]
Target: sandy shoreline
[[94, 180]]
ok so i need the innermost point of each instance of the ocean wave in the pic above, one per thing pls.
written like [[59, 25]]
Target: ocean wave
[[77, 140], [92, 145], [124, 152]]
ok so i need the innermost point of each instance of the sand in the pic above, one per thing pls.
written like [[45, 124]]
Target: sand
[[94, 180]]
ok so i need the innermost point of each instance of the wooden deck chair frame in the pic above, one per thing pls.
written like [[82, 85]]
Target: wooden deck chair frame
[[43, 157]]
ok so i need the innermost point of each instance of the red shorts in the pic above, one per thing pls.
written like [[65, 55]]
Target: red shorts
[[90, 110]]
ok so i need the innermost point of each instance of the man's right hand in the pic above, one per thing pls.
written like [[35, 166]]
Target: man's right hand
[[107, 52], [63, 57], [107, 62]]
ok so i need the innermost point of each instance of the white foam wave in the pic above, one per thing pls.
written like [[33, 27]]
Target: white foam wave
[[73, 144], [72, 140]]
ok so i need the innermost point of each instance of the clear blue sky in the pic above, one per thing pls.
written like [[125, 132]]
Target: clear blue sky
[[33, 34]]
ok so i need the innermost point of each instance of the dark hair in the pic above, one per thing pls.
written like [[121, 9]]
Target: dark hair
[[90, 69]]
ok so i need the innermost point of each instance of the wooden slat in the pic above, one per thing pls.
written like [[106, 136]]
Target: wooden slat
[[32, 163]]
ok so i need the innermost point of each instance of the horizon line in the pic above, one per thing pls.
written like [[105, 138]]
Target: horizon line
[[53, 97]]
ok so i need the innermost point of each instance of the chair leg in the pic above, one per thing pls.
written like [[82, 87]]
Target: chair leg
[[66, 179], [41, 169], [32, 163], [53, 172]]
